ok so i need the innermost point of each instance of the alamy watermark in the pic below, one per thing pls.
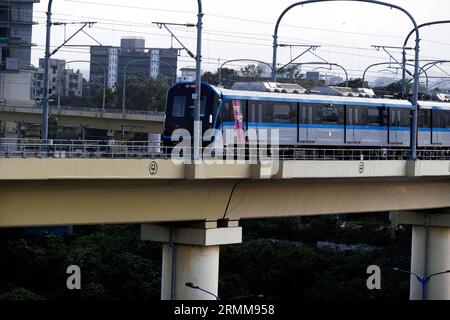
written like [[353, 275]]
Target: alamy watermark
[[228, 146], [74, 280], [374, 280]]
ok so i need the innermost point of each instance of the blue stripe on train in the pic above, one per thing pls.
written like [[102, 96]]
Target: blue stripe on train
[[330, 126], [320, 126]]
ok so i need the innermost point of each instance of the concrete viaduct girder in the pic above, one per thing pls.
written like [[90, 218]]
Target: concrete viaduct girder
[[82, 191], [92, 119]]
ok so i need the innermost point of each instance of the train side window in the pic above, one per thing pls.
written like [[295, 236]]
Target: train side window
[[445, 119], [383, 116], [405, 117], [285, 113], [373, 116], [441, 119], [330, 114], [394, 118], [179, 106], [267, 112], [234, 108], [424, 118], [305, 114], [446, 115], [254, 111], [316, 115]]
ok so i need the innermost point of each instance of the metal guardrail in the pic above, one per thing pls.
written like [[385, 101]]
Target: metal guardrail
[[98, 110], [97, 149], [85, 149]]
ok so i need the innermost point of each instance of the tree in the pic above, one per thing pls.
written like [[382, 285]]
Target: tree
[[354, 83], [251, 72], [144, 94], [228, 76], [290, 73], [210, 77], [110, 98]]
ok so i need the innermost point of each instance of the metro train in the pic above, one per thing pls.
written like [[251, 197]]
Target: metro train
[[310, 121]]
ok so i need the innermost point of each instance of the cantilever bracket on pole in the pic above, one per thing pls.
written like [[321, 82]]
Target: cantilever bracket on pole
[[384, 48], [310, 49], [173, 36], [442, 70], [91, 37], [85, 24], [315, 54]]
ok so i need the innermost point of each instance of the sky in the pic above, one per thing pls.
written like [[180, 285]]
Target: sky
[[238, 29]]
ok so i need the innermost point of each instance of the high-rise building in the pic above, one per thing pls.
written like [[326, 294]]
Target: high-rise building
[[72, 83], [16, 22], [63, 82], [110, 62], [132, 44]]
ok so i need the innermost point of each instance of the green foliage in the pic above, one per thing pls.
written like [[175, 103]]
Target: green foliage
[[287, 270], [228, 76], [144, 94], [20, 294], [110, 99], [353, 83], [115, 264], [278, 258], [251, 72]]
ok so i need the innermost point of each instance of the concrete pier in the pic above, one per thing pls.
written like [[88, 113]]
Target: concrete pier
[[430, 253], [191, 255]]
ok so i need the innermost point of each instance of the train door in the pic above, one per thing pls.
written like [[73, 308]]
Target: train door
[[394, 125], [306, 132], [352, 123], [254, 118], [436, 133], [424, 128]]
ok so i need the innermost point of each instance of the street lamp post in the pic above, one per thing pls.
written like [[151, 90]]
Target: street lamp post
[[422, 280], [44, 130], [406, 43], [413, 133], [48, 54], [198, 83], [196, 287]]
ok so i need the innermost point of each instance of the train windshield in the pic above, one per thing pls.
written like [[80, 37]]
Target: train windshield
[[181, 107]]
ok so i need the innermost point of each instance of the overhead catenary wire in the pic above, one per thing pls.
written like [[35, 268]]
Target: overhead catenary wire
[[231, 34]]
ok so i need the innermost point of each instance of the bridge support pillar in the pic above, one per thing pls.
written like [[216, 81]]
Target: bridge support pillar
[[430, 253], [191, 254]]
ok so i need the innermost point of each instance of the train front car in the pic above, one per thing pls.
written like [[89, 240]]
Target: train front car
[[179, 122]]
